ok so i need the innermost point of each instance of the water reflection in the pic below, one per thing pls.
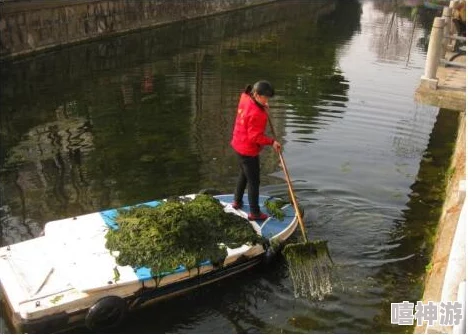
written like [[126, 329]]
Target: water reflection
[[394, 41], [150, 114], [397, 22], [156, 121], [415, 231]]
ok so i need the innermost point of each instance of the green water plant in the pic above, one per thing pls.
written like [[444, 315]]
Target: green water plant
[[116, 274], [178, 232], [429, 267], [56, 299], [274, 206], [310, 268]]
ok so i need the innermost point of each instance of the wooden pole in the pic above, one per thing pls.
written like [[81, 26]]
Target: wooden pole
[[290, 188]]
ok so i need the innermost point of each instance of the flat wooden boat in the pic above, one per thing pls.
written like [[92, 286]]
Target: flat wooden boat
[[67, 277]]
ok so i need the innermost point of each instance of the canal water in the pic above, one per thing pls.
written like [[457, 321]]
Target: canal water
[[149, 115]]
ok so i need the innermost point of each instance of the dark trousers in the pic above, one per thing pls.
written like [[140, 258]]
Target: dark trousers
[[249, 175]]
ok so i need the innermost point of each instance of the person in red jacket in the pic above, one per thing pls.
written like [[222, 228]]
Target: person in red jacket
[[248, 139]]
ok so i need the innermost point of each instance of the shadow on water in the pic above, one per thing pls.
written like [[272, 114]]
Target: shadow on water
[[234, 304], [246, 303], [414, 233], [125, 120]]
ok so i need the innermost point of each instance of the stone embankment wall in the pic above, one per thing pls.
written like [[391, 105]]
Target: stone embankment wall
[[31, 26]]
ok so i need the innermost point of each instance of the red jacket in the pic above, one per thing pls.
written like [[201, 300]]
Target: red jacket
[[248, 137]]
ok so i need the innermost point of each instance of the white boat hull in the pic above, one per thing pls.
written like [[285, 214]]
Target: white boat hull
[[59, 280]]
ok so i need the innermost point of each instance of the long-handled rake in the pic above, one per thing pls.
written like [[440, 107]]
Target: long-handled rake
[[309, 262]]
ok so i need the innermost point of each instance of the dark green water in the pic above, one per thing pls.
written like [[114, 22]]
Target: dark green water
[[149, 115]]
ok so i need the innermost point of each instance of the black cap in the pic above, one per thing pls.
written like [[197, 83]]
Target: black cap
[[263, 87]]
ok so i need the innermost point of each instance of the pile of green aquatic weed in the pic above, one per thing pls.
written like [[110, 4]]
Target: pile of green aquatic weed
[[274, 206], [178, 232]]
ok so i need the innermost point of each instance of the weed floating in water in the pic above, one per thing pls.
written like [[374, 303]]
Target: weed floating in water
[[310, 268]]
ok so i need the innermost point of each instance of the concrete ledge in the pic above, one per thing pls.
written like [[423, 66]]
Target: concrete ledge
[[461, 191], [428, 83], [449, 255], [456, 267], [461, 328], [447, 91]]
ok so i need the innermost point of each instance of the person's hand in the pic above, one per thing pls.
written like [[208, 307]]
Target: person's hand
[[277, 146]]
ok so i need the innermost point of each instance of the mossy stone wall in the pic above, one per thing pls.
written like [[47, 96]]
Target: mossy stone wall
[[27, 26]]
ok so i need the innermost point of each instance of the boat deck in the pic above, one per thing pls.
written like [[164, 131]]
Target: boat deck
[[69, 268]]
